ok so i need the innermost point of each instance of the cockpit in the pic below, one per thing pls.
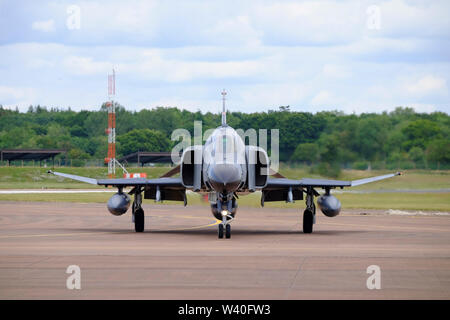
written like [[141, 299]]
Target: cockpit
[[224, 146]]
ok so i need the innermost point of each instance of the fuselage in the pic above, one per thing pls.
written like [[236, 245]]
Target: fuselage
[[224, 161]]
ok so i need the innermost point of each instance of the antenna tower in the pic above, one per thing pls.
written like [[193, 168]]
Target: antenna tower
[[111, 131]]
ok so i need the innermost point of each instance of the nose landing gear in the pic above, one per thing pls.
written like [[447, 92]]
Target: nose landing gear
[[225, 226], [225, 210]]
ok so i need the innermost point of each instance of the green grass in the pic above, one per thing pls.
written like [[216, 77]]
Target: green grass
[[38, 178], [410, 180], [400, 201]]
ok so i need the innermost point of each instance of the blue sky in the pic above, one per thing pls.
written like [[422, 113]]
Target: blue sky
[[354, 56]]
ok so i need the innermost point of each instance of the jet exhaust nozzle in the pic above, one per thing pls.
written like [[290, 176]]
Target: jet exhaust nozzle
[[118, 204], [329, 205]]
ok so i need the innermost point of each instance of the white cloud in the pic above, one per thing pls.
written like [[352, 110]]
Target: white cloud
[[308, 22], [400, 18], [322, 98], [86, 66], [427, 85], [234, 30], [44, 26], [16, 96], [259, 97], [310, 55], [335, 71]]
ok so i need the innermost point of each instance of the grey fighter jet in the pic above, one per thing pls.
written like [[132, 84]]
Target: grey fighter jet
[[224, 168]]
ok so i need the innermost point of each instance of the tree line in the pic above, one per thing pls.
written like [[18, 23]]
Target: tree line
[[400, 139]]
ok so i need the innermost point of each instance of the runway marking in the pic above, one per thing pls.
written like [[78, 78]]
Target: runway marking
[[53, 234], [385, 227], [378, 226], [190, 228], [96, 233]]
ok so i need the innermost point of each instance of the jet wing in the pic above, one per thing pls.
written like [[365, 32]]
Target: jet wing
[[281, 183], [280, 189], [174, 183], [163, 182]]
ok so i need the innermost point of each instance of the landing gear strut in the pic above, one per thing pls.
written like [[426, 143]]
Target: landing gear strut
[[309, 215], [225, 226], [138, 212]]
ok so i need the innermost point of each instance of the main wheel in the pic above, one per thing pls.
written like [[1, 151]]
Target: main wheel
[[220, 233], [228, 231], [308, 220], [139, 220]]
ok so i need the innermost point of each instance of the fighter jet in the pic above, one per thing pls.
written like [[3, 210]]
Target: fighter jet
[[224, 168]]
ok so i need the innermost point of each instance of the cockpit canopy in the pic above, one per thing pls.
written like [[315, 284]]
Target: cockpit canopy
[[224, 146]]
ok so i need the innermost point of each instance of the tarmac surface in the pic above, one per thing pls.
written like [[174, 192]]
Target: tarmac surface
[[180, 257]]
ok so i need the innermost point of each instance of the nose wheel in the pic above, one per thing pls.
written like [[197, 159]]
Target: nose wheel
[[225, 227], [228, 231], [227, 217], [224, 230]]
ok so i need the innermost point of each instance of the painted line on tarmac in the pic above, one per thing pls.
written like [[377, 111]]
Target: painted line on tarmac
[[97, 233], [188, 228], [53, 235], [385, 227]]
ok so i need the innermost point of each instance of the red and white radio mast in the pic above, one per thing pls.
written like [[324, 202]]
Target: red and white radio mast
[[111, 131]]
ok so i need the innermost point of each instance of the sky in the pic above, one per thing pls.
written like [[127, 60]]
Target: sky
[[352, 56]]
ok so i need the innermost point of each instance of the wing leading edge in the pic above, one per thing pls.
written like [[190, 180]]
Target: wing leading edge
[[281, 189], [121, 182], [280, 183]]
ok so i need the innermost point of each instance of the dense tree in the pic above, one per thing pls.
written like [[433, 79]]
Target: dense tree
[[143, 140], [306, 152], [399, 139], [439, 151]]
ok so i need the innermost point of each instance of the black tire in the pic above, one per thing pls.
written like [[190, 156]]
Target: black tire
[[220, 233], [228, 231], [139, 220], [308, 220]]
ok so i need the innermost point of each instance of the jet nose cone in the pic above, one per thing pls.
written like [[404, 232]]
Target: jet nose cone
[[225, 177], [225, 173]]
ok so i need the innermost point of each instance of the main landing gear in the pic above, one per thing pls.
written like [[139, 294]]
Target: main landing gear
[[138, 212], [309, 215]]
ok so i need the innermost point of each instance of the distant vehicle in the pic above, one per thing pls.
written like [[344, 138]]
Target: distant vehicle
[[224, 168]]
